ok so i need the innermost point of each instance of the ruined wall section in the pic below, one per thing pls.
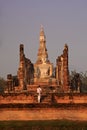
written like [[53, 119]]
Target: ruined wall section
[[9, 83], [56, 98], [62, 70], [25, 70]]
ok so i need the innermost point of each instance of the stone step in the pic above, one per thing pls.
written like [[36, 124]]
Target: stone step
[[44, 98]]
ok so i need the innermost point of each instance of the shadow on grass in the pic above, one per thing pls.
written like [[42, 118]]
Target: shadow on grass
[[43, 125]]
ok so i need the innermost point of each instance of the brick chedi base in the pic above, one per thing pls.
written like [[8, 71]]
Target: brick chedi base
[[46, 98], [69, 113]]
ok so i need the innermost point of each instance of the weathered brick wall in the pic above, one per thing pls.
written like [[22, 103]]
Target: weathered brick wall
[[62, 70], [25, 70], [25, 107], [22, 98], [46, 98]]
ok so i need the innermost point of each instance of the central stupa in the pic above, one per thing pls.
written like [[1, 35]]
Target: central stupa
[[43, 68]]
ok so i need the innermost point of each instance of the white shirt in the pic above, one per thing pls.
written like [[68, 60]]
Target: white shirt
[[39, 90]]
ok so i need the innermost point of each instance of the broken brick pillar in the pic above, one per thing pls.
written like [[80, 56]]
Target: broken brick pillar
[[62, 70], [65, 69], [9, 82], [21, 70]]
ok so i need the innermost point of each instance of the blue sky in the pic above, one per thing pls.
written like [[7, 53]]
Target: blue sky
[[64, 21]]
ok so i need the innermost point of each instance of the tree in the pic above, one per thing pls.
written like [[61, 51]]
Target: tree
[[84, 81], [83, 77]]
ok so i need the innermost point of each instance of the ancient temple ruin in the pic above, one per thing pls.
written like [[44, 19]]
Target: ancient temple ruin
[[42, 72]]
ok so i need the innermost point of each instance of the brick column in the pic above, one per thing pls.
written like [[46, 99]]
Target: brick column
[[65, 69]]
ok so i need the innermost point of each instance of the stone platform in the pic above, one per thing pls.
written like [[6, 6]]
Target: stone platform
[[44, 113], [54, 106], [26, 97]]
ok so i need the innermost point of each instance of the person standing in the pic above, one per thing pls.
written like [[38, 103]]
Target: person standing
[[39, 91]]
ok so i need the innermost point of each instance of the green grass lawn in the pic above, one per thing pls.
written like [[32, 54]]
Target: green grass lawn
[[43, 125]]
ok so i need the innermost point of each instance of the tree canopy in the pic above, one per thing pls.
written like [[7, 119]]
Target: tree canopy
[[83, 78]]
